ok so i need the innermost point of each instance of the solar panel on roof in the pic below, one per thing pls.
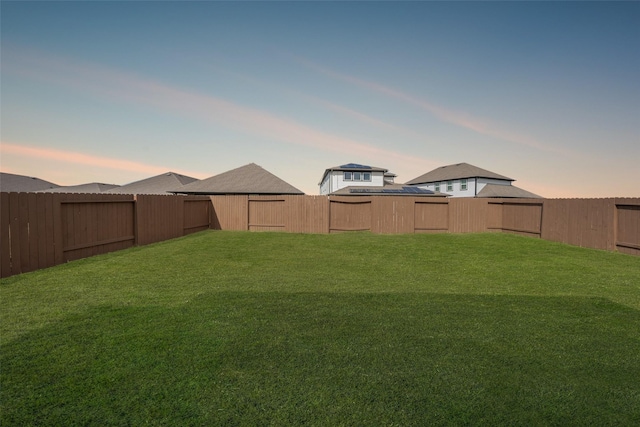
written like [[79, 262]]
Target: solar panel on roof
[[355, 166], [403, 190]]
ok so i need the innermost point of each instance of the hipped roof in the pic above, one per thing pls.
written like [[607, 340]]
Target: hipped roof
[[457, 171], [159, 184], [10, 182], [248, 179]]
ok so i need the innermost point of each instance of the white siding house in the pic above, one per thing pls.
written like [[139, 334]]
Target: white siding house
[[353, 174], [465, 180]]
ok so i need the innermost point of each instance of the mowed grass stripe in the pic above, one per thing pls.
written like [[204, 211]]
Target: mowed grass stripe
[[272, 337]]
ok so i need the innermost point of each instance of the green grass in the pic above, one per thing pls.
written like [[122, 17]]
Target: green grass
[[230, 328]]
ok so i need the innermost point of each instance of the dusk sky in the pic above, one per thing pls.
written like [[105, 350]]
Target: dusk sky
[[546, 93]]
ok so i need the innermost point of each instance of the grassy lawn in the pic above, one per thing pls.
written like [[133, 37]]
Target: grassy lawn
[[232, 328]]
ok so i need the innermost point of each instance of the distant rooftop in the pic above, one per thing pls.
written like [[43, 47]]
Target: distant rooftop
[[160, 184], [23, 184], [247, 179], [90, 188], [456, 171]]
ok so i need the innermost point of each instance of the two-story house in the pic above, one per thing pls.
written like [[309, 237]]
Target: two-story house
[[465, 180], [354, 175]]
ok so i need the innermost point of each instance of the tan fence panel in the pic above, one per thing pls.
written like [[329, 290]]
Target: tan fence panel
[[230, 212], [392, 215], [306, 214], [431, 216], [468, 215], [628, 226], [522, 217], [349, 214], [94, 224], [580, 222], [266, 213]]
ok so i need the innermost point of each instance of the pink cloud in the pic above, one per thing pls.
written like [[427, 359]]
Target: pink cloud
[[129, 88], [457, 118], [72, 157]]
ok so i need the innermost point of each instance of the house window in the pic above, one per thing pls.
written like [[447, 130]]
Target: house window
[[463, 185], [437, 186], [347, 176], [366, 176], [357, 176], [449, 185]]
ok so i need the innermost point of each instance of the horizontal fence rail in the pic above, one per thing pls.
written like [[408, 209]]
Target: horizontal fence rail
[[39, 230]]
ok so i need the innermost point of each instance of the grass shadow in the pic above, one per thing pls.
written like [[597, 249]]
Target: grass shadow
[[249, 358]]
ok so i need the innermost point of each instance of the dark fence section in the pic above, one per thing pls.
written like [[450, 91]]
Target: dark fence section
[[41, 230]]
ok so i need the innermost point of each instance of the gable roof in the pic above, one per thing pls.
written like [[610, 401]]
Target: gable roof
[[90, 188], [353, 167], [10, 182], [507, 191], [457, 171], [247, 179], [160, 184]]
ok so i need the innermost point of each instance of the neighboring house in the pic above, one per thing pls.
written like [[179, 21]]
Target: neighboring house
[[354, 174], [465, 180], [90, 188], [23, 184], [165, 183], [248, 179]]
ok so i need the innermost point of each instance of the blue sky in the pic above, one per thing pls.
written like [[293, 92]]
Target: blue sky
[[546, 93]]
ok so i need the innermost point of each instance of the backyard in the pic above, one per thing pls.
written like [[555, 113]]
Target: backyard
[[239, 328]]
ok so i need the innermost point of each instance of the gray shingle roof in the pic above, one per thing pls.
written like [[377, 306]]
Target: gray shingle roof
[[248, 179], [23, 184], [457, 171], [496, 190], [90, 188], [159, 184]]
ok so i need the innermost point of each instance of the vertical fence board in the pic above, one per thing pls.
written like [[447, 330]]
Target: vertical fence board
[[14, 232], [25, 243], [5, 243], [494, 216]]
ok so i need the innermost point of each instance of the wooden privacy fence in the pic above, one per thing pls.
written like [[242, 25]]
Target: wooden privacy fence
[[611, 224], [41, 230]]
